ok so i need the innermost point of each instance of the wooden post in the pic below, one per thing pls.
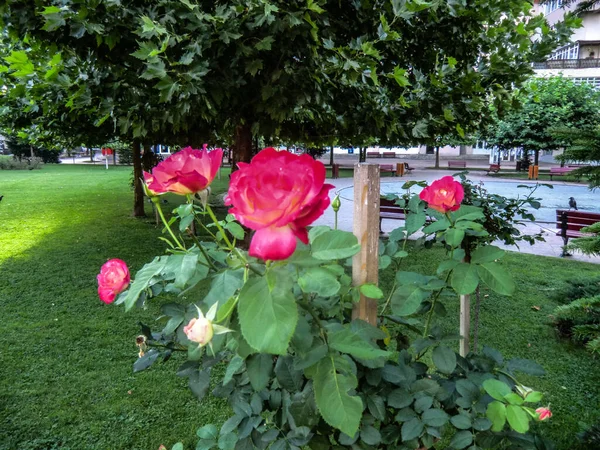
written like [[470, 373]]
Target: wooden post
[[465, 324], [365, 264]]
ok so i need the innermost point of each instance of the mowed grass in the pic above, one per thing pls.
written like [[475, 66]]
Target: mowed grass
[[65, 357], [515, 326]]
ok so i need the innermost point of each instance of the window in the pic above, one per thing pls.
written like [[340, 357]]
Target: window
[[552, 5], [567, 52]]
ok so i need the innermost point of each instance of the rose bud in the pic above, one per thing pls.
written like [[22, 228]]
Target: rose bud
[[112, 280]]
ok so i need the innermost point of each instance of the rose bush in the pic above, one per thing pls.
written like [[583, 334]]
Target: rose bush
[[299, 371], [186, 172], [112, 280], [278, 194]]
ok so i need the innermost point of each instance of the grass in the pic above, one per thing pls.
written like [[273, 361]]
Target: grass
[[513, 326], [65, 357]]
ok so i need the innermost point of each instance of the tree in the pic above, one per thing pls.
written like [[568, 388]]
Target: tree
[[582, 146], [177, 72], [545, 104]]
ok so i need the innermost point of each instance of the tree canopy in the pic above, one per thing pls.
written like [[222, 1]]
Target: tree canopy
[[544, 105], [184, 71]]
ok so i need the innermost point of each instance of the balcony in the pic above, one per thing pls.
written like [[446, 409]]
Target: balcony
[[589, 63]]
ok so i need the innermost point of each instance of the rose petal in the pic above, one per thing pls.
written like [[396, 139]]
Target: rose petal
[[273, 243]]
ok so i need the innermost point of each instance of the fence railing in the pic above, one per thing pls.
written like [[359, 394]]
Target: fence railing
[[589, 63]]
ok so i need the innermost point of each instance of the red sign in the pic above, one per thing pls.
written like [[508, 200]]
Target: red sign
[[107, 151]]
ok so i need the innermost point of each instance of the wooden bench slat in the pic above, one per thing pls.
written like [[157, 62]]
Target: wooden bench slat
[[569, 224]]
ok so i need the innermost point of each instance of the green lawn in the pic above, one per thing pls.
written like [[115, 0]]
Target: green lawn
[[65, 357]]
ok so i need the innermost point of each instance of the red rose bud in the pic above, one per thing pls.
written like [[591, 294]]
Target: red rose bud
[[543, 413], [112, 280], [278, 194], [186, 172], [443, 195]]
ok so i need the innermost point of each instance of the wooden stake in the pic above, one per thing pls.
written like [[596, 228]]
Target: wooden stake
[[465, 324], [365, 264]]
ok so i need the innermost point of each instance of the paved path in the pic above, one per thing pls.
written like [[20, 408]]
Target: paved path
[[552, 246]]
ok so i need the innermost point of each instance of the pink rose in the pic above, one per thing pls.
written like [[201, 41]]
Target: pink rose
[[443, 195], [543, 413], [186, 172], [199, 330], [278, 194], [112, 280]]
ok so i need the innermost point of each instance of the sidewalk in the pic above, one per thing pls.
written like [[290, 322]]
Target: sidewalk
[[344, 186]]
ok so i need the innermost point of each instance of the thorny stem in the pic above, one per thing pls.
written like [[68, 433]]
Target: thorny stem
[[219, 227], [162, 216], [203, 251]]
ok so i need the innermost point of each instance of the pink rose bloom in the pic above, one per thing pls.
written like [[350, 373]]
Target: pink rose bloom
[[443, 195], [112, 280], [543, 413], [278, 194], [186, 172], [199, 330]]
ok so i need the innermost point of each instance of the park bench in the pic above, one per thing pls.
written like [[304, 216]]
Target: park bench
[[335, 170], [570, 223], [389, 210], [494, 168], [560, 171], [387, 168], [457, 164], [389, 154], [373, 154]]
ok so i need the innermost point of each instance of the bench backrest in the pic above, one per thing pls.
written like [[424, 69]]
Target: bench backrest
[[457, 164], [386, 205], [575, 220], [386, 167], [561, 169]]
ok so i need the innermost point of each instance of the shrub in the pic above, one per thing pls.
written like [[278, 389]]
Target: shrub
[[23, 164], [591, 437], [580, 320], [576, 289]]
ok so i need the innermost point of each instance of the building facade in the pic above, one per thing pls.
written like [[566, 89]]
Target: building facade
[[580, 59]]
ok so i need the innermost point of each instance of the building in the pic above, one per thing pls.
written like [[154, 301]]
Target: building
[[579, 60]]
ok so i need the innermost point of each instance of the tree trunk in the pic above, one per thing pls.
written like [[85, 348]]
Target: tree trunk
[[91, 154], [465, 309], [138, 190], [362, 154], [462, 150], [147, 158], [31, 150], [242, 147], [331, 157], [437, 157], [536, 157]]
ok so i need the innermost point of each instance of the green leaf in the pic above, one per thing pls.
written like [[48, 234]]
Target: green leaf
[[496, 389], [208, 432], [259, 368], [513, 399], [399, 398], [496, 412], [236, 230], [143, 280], [496, 278], [224, 285], [146, 361], [338, 408], [526, 366], [320, 281], [411, 429], [454, 236], [407, 299], [334, 244], [198, 382], [435, 417], [351, 342], [533, 397], [461, 421], [449, 115], [444, 359], [517, 418], [371, 290], [265, 43], [267, 316], [464, 278], [234, 365], [290, 378], [461, 440], [487, 253]]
